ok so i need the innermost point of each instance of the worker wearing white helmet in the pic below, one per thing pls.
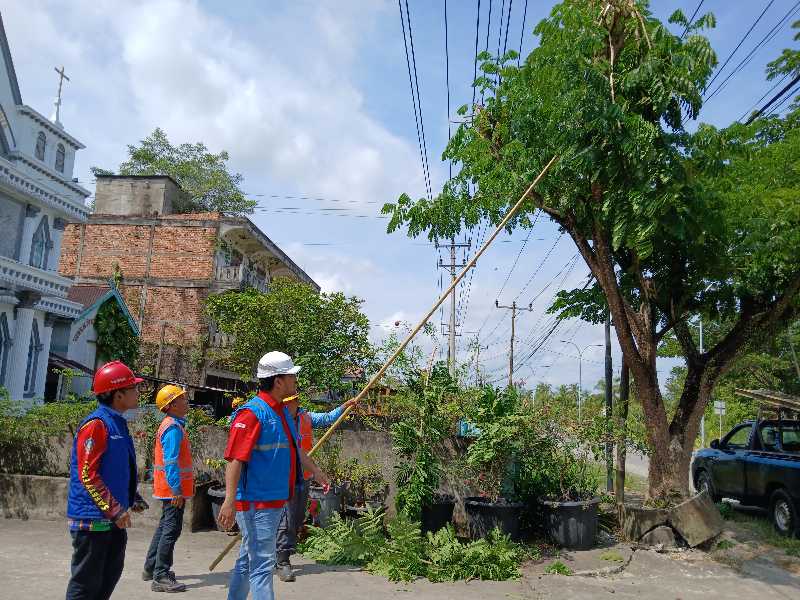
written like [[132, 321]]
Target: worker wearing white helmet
[[264, 462]]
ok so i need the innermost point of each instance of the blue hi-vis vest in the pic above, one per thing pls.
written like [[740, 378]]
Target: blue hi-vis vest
[[265, 477], [117, 468]]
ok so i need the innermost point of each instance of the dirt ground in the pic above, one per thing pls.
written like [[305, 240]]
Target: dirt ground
[[36, 554]]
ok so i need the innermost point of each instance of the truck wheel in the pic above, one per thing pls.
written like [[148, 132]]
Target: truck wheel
[[704, 482], [783, 513]]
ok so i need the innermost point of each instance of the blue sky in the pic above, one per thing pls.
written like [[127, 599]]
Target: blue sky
[[312, 99]]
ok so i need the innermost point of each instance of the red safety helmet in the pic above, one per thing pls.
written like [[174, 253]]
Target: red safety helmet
[[114, 375]]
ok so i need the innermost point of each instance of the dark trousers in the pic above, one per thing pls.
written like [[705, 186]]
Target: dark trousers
[[294, 515], [97, 561], [159, 556]]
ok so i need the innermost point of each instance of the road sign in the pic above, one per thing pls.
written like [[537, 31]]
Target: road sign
[[719, 404], [719, 411]]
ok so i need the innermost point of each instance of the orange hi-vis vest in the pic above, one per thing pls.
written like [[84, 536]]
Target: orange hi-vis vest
[[161, 488], [306, 437]]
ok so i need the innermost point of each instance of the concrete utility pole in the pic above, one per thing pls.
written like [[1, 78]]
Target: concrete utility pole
[[513, 308], [452, 266], [609, 405], [478, 348]]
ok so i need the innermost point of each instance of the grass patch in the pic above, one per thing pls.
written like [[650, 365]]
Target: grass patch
[[612, 556], [725, 510], [764, 531], [725, 545], [558, 568]]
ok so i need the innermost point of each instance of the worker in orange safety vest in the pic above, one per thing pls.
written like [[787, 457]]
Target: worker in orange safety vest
[[294, 515], [173, 483]]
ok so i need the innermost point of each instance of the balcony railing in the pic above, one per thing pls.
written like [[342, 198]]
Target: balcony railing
[[240, 276]]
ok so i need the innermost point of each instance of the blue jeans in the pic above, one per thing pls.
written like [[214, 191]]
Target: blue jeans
[[159, 556], [253, 568]]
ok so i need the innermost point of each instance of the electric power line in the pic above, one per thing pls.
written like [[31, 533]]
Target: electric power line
[[423, 153], [767, 93], [766, 39], [522, 31], [739, 45], [691, 19]]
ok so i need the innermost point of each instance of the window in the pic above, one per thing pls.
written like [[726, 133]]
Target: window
[[41, 144], [60, 152], [34, 349], [40, 245], [739, 439], [5, 347]]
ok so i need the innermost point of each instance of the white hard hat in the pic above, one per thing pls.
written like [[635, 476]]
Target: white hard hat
[[276, 363]]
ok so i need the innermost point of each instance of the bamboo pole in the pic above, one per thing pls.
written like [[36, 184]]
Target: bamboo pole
[[375, 378]]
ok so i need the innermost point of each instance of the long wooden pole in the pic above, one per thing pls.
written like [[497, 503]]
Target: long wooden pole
[[375, 378]]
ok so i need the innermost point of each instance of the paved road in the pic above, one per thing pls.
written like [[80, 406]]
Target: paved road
[[35, 558]]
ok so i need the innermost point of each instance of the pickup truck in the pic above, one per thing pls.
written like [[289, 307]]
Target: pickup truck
[[758, 464]]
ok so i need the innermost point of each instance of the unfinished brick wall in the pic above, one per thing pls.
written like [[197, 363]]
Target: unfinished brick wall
[[183, 252], [180, 310], [70, 242]]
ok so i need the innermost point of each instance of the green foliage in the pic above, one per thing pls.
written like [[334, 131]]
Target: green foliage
[[612, 556], [403, 554], [417, 439], [658, 213], [558, 568], [725, 510], [202, 175], [365, 481], [725, 545], [325, 333], [115, 338], [26, 436]]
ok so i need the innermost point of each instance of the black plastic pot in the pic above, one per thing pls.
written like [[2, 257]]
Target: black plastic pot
[[572, 525], [329, 503], [438, 514], [484, 515]]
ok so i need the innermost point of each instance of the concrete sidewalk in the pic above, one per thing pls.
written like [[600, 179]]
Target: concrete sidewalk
[[35, 557]]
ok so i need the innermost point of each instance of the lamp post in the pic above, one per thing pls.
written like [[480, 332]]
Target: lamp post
[[580, 369]]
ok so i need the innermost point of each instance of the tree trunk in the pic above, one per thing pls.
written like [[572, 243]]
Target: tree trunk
[[622, 420]]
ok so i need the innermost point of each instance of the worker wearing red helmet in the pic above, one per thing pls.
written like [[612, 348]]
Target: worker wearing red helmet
[[102, 486]]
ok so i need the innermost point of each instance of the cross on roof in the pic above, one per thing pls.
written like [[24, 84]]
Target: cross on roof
[[61, 77]]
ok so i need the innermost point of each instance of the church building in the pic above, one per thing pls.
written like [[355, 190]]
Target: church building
[[38, 197]]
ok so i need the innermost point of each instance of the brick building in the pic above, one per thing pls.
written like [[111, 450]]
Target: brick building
[[169, 264]]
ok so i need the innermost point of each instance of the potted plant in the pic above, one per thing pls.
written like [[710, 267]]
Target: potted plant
[[499, 438], [327, 503], [417, 438], [366, 488], [556, 473]]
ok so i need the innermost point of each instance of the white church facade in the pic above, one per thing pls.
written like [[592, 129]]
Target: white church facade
[[38, 197]]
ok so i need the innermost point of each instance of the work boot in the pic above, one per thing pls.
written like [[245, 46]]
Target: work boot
[[285, 572], [148, 575], [167, 584]]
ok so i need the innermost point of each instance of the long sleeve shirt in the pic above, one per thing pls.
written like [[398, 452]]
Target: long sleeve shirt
[[92, 443], [320, 420], [171, 440]]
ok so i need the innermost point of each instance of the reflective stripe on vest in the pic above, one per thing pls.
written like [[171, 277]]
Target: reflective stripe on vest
[[265, 447], [162, 489], [306, 437]]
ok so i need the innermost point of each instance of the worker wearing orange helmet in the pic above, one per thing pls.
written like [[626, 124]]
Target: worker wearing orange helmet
[[294, 514], [173, 483], [102, 486]]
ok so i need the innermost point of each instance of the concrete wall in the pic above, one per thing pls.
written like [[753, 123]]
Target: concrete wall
[[135, 196], [12, 214]]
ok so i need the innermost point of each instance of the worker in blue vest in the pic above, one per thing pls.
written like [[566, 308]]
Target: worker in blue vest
[[102, 486], [265, 461]]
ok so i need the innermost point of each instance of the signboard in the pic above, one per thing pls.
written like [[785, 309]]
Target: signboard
[[719, 404], [719, 411]]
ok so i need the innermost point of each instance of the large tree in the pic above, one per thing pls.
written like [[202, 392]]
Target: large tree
[[325, 333], [203, 176], [671, 224]]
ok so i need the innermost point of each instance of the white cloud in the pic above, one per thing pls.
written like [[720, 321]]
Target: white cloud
[[280, 98]]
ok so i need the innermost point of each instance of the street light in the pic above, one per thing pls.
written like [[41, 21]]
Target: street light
[[580, 369]]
